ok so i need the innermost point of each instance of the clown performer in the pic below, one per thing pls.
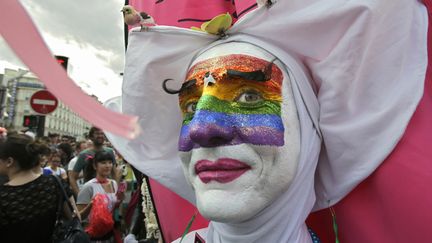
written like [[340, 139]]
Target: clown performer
[[284, 112], [259, 99]]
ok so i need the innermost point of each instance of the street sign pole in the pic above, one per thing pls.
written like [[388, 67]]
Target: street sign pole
[[41, 126], [43, 102]]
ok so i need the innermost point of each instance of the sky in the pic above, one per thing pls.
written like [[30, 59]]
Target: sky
[[89, 32]]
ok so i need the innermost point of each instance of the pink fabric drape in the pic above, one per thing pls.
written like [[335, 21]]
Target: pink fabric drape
[[174, 212], [187, 13], [25, 40]]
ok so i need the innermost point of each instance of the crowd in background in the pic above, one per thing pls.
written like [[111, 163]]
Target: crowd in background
[[94, 175]]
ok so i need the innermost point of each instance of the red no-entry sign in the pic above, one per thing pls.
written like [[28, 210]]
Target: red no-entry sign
[[43, 102]]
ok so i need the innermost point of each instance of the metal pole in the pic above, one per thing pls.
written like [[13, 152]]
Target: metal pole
[[41, 126]]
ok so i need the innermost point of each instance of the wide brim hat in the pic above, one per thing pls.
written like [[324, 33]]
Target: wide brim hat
[[359, 67]]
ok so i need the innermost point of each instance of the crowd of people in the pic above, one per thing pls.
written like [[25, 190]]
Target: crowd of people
[[96, 179]]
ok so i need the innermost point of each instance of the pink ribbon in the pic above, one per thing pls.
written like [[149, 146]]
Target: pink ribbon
[[21, 34]]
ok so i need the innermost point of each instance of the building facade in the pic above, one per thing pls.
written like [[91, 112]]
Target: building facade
[[16, 106]]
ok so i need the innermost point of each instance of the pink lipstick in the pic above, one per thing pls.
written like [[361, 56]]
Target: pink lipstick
[[223, 170]]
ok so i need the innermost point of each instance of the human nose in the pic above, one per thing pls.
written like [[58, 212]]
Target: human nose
[[208, 130]]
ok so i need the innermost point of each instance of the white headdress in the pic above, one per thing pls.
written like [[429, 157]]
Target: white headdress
[[367, 60]]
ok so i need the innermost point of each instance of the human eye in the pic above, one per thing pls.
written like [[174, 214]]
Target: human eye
[[249, 97], [191, 107], [188, 110]]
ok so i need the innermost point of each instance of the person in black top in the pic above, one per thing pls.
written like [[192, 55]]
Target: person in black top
[[28, 201], [66, 152]]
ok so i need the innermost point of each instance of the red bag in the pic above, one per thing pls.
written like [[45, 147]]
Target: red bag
[[101, 221]]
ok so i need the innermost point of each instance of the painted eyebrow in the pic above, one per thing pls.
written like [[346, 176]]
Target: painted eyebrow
[[184, 86], [262, 75], [259, 75]]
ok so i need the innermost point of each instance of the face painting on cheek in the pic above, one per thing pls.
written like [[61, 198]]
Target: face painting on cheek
[[236, 99]]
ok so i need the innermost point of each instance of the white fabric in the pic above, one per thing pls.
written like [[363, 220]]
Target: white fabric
[[368, 62], [154, 151], [269, 224], [296, 202]]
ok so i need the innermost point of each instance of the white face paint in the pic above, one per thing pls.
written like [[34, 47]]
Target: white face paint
[[265, 171]]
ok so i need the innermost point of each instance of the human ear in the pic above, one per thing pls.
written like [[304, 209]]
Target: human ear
[[9, 162]]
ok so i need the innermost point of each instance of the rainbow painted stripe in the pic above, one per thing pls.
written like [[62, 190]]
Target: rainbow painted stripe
[[220, 118], [231, 129], [211, 103]]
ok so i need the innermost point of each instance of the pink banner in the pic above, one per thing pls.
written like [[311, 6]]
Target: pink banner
[[174, 212], [25, 40], [187, 13]]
